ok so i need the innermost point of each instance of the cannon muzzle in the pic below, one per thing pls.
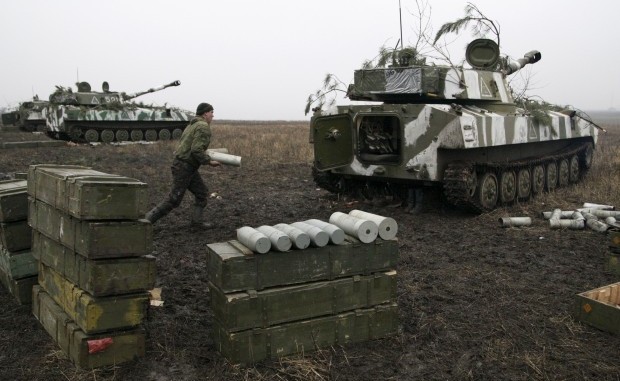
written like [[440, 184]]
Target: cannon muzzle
[[529, 58], [135, 95]]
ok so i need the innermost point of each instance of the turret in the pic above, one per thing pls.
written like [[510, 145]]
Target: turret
[[86, 97], [483, 83]]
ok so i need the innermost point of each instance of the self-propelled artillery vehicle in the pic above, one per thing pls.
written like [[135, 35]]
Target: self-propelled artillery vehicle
[[109, 116], [456, 129], [28, 116]]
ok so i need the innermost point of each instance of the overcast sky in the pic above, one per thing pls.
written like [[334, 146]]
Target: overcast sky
[[261, 59]]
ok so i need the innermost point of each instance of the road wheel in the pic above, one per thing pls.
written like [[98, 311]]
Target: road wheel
[[122, 135], [574, 169], [524, 183], [551, 176], [136, 135], [176, 133], [508, 187], [107, 136], [164, 134], [538, 179], [472, 184], [487, 191], [150, 135], [91, 136], [563, 173]]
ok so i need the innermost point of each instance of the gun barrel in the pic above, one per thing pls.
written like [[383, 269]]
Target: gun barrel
[[135, 95], [529, 58]]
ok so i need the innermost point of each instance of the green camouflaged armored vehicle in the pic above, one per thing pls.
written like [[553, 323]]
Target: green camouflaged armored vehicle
[[109, 116], [452, 128], [28, 116]]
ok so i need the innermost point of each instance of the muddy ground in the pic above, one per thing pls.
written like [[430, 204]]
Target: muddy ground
[[476, 301]]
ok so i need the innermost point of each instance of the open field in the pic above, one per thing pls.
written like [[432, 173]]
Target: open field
[[476, 301]]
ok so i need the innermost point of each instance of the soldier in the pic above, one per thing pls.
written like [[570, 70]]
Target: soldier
[[188, 157]]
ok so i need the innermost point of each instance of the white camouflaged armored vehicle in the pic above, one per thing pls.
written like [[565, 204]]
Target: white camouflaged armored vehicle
[[456, 129], [109, 116]]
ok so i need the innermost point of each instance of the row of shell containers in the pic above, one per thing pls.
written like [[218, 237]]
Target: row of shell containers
[[290, 289], [361, 225], [95, 269]]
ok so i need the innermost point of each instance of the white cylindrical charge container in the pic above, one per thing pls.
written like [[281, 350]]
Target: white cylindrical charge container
[[225, 158], [598, 206], [596, 225], [253, 239], [299, 238], [605, 213], [364, 230], [515, 221], [566, 224], [279, 240], [387, 225], [554, 214], [318, 237], [336, 235]]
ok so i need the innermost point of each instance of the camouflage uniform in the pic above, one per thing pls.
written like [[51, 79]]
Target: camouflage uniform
[[189, 156]]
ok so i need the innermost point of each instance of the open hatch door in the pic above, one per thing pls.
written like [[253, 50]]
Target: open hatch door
[[333, 141]]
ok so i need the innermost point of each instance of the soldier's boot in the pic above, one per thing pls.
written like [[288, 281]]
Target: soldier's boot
[[158, 212], [197, 220]]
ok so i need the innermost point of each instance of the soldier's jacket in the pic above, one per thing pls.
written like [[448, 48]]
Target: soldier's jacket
[[194, 143]]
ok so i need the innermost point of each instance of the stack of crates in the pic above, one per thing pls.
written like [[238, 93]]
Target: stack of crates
[[94, 271], [18, 267], [280, 303]]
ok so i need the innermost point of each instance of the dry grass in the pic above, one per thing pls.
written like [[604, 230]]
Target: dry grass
[[280, 142]]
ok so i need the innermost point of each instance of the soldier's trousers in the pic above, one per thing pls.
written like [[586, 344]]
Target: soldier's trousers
[[185, 177]]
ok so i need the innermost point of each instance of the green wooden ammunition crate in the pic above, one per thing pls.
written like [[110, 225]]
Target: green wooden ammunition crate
[[21, 289], [94, 314], [600, 308], [244, 310], [106, 198], [233, 267], [99, 277], [87, 194], [47, 182], [124, 345], [19, 264], [13, 200], [92, 239], [15, 236], [255, 345]]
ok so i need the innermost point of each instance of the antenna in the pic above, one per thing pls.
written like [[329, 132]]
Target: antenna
[[400, 15], [77, 74]]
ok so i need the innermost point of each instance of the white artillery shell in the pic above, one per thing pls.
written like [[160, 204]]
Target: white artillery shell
[[298, 237], [336, 235], [318, 237], [387, 225], [279, 240], [364, 230], [253, 239]]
